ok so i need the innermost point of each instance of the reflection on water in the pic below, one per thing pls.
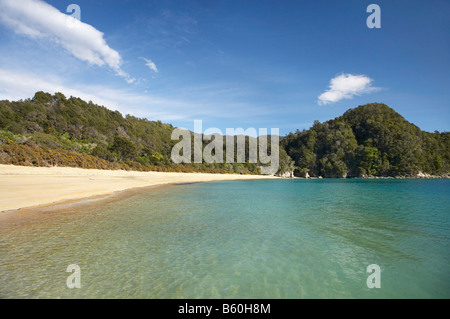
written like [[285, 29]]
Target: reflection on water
[[240, 239]]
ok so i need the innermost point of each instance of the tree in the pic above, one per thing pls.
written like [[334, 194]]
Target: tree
[[124, 148], [369, 161], [285, 162]]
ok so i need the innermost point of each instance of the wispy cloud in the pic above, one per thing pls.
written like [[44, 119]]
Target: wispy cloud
[[16, 85], [151, 65], [346, 86], [169, 30], [39, 20]]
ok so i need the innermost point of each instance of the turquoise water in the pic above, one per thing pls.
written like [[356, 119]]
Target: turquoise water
[[239, 239]]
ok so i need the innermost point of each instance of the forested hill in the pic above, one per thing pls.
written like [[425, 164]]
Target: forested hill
[[371, 139], [71, 124], [50, 130]]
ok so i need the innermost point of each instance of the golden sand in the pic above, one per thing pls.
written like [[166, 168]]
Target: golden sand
[[23, 186]]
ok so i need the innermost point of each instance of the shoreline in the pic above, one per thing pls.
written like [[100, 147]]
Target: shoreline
[[28, 187], [25, 187], [379, 177]]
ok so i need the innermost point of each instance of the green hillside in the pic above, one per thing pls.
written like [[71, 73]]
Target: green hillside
[[371, 139], [50, 130]]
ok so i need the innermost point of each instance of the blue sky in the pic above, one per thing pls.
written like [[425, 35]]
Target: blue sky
[[261, 64]]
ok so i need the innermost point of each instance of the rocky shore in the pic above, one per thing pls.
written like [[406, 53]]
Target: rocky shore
[[419, 175]]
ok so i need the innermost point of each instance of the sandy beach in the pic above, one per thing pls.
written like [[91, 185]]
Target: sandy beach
[[24, 187]]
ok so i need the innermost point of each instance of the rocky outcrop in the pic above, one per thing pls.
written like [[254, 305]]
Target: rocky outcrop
[[336, 175], [289, 174], [423, 175], [426, 175]]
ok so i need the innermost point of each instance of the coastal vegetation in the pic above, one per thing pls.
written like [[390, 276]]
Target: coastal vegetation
[[370, 140], [50, 130]]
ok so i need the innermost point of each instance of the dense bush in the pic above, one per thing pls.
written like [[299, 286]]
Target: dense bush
[[371, 139], [53, 125]]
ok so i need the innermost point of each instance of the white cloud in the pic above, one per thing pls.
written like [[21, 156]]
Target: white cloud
[[171, 107], [345, 86], [37, 19], [16, 85], [151, 65]]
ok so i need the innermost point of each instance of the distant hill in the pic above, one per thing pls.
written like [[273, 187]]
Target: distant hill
[[371, 139]]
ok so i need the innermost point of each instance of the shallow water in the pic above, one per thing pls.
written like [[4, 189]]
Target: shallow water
[[239, 239]]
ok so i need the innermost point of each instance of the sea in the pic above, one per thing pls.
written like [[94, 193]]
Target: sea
[[258, 239]]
